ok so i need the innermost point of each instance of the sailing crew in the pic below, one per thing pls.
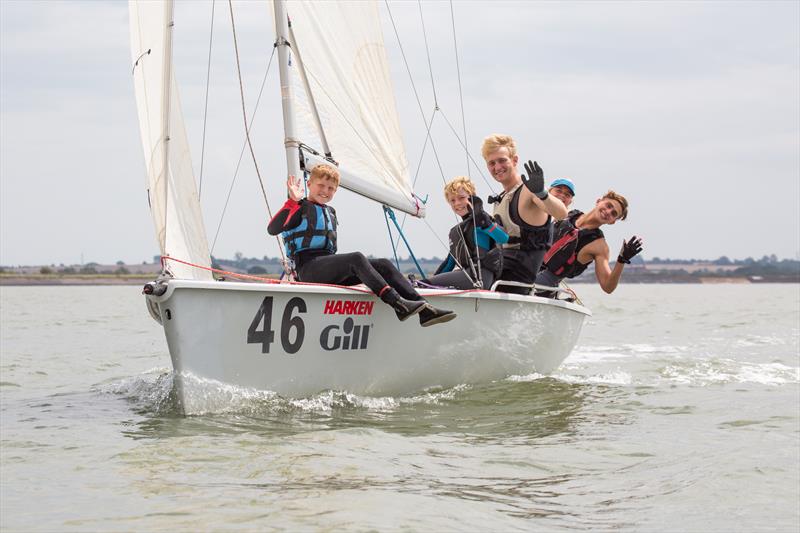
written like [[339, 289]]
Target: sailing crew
[[578, 240], [525, 209], [308, 226], [473, 242]]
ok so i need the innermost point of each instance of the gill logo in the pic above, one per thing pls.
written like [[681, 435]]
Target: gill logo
[[349, 337]]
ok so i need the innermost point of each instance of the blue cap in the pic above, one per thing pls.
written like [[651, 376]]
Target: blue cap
[[566, 182]]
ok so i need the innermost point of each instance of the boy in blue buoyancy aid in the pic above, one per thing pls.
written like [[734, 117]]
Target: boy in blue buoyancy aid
[[460, 269], [308, 227], [578, 240]]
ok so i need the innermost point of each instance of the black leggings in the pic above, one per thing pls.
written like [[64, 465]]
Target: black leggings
[[521, 266], [458, 279], [355, 268]]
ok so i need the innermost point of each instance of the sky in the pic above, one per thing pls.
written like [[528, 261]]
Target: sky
[[689, 109]]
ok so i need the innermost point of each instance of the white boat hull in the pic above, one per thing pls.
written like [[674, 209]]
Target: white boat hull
[[298, 340]]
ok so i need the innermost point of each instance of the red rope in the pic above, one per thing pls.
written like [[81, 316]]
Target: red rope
[[165, 258]]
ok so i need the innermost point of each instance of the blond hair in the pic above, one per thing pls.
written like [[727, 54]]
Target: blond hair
[[494, 142], [611, 195], [325, 172], [459, 182]]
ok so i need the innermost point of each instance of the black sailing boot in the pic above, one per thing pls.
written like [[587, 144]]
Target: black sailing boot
[[402, 307], [431, 315]]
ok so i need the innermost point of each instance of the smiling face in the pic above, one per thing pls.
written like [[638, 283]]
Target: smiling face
[[321, 189], [563, 193], [502, 167], [459, 202], [608, 210]]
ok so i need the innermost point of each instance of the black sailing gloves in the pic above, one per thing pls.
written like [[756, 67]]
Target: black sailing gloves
[[534, 180], [482, 219], [629, 249]]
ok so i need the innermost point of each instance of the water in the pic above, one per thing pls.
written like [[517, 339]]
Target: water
[[679, 410]]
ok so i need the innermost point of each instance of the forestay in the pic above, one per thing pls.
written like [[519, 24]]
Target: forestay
[[344, 58], [171, 188]]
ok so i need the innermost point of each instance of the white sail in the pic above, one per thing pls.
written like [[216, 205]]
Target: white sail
[[171, 187], [344, 58]]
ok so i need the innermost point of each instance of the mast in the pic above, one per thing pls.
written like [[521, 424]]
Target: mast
[[284, 56], [166, 97]]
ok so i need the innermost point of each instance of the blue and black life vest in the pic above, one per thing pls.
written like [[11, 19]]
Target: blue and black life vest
[[562, 258], [316, 231]]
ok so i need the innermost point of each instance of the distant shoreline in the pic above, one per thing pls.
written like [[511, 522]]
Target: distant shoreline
[[77, 279], [7, 280]]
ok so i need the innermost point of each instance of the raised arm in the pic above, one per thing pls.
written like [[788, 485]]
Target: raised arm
[[290, 215], [533, 178], [606, 277]]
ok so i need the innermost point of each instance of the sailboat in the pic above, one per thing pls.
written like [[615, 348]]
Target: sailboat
[[298, 339]]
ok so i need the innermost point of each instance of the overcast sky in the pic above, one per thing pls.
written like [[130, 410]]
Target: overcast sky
[[690, 109]]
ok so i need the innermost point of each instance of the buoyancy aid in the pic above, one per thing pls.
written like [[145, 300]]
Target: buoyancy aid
[[316, 231], [523, 236], [562, 258]]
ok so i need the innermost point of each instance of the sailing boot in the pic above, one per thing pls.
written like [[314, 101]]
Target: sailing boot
[[403, 308], [431, 315]]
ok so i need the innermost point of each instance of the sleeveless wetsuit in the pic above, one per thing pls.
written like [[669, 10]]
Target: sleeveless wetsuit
[[523, 253]]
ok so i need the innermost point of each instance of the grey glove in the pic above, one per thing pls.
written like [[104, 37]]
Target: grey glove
[[533, 178]]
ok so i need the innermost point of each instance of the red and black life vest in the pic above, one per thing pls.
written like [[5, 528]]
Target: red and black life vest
[[562, 257]]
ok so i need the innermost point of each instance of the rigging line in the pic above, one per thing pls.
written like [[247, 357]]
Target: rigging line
[[444, 246], [414, 86], [419, 163], [405, 61], [436, 108], [205, 110], [428, 53], [428, 125], [460, 93], [368, 147], [391, 239], [241, 152], [244, 110], [477, 166]]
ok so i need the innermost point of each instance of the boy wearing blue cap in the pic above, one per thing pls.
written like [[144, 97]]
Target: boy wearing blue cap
[[564, 190]]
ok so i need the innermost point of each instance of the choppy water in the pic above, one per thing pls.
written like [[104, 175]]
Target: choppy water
[[679, 410]]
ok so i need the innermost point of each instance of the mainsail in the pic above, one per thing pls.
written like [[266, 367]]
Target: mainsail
[[344, 60], [171, 188]]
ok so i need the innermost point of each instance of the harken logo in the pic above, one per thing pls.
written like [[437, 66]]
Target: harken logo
[[348, 307]]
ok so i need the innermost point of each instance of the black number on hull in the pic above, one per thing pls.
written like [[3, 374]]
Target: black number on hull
[[266, 336], [289, 322]]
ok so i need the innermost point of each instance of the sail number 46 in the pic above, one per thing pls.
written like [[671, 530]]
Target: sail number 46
[[289, 324]]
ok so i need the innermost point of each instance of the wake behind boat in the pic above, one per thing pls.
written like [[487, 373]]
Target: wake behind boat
[[293, 338]]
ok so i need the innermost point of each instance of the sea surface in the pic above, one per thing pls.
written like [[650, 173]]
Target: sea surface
[[679, 410]]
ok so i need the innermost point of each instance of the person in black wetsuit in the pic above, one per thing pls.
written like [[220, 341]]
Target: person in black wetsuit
[[578, 240], [525, 209], [308, 226], [460, 268]]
